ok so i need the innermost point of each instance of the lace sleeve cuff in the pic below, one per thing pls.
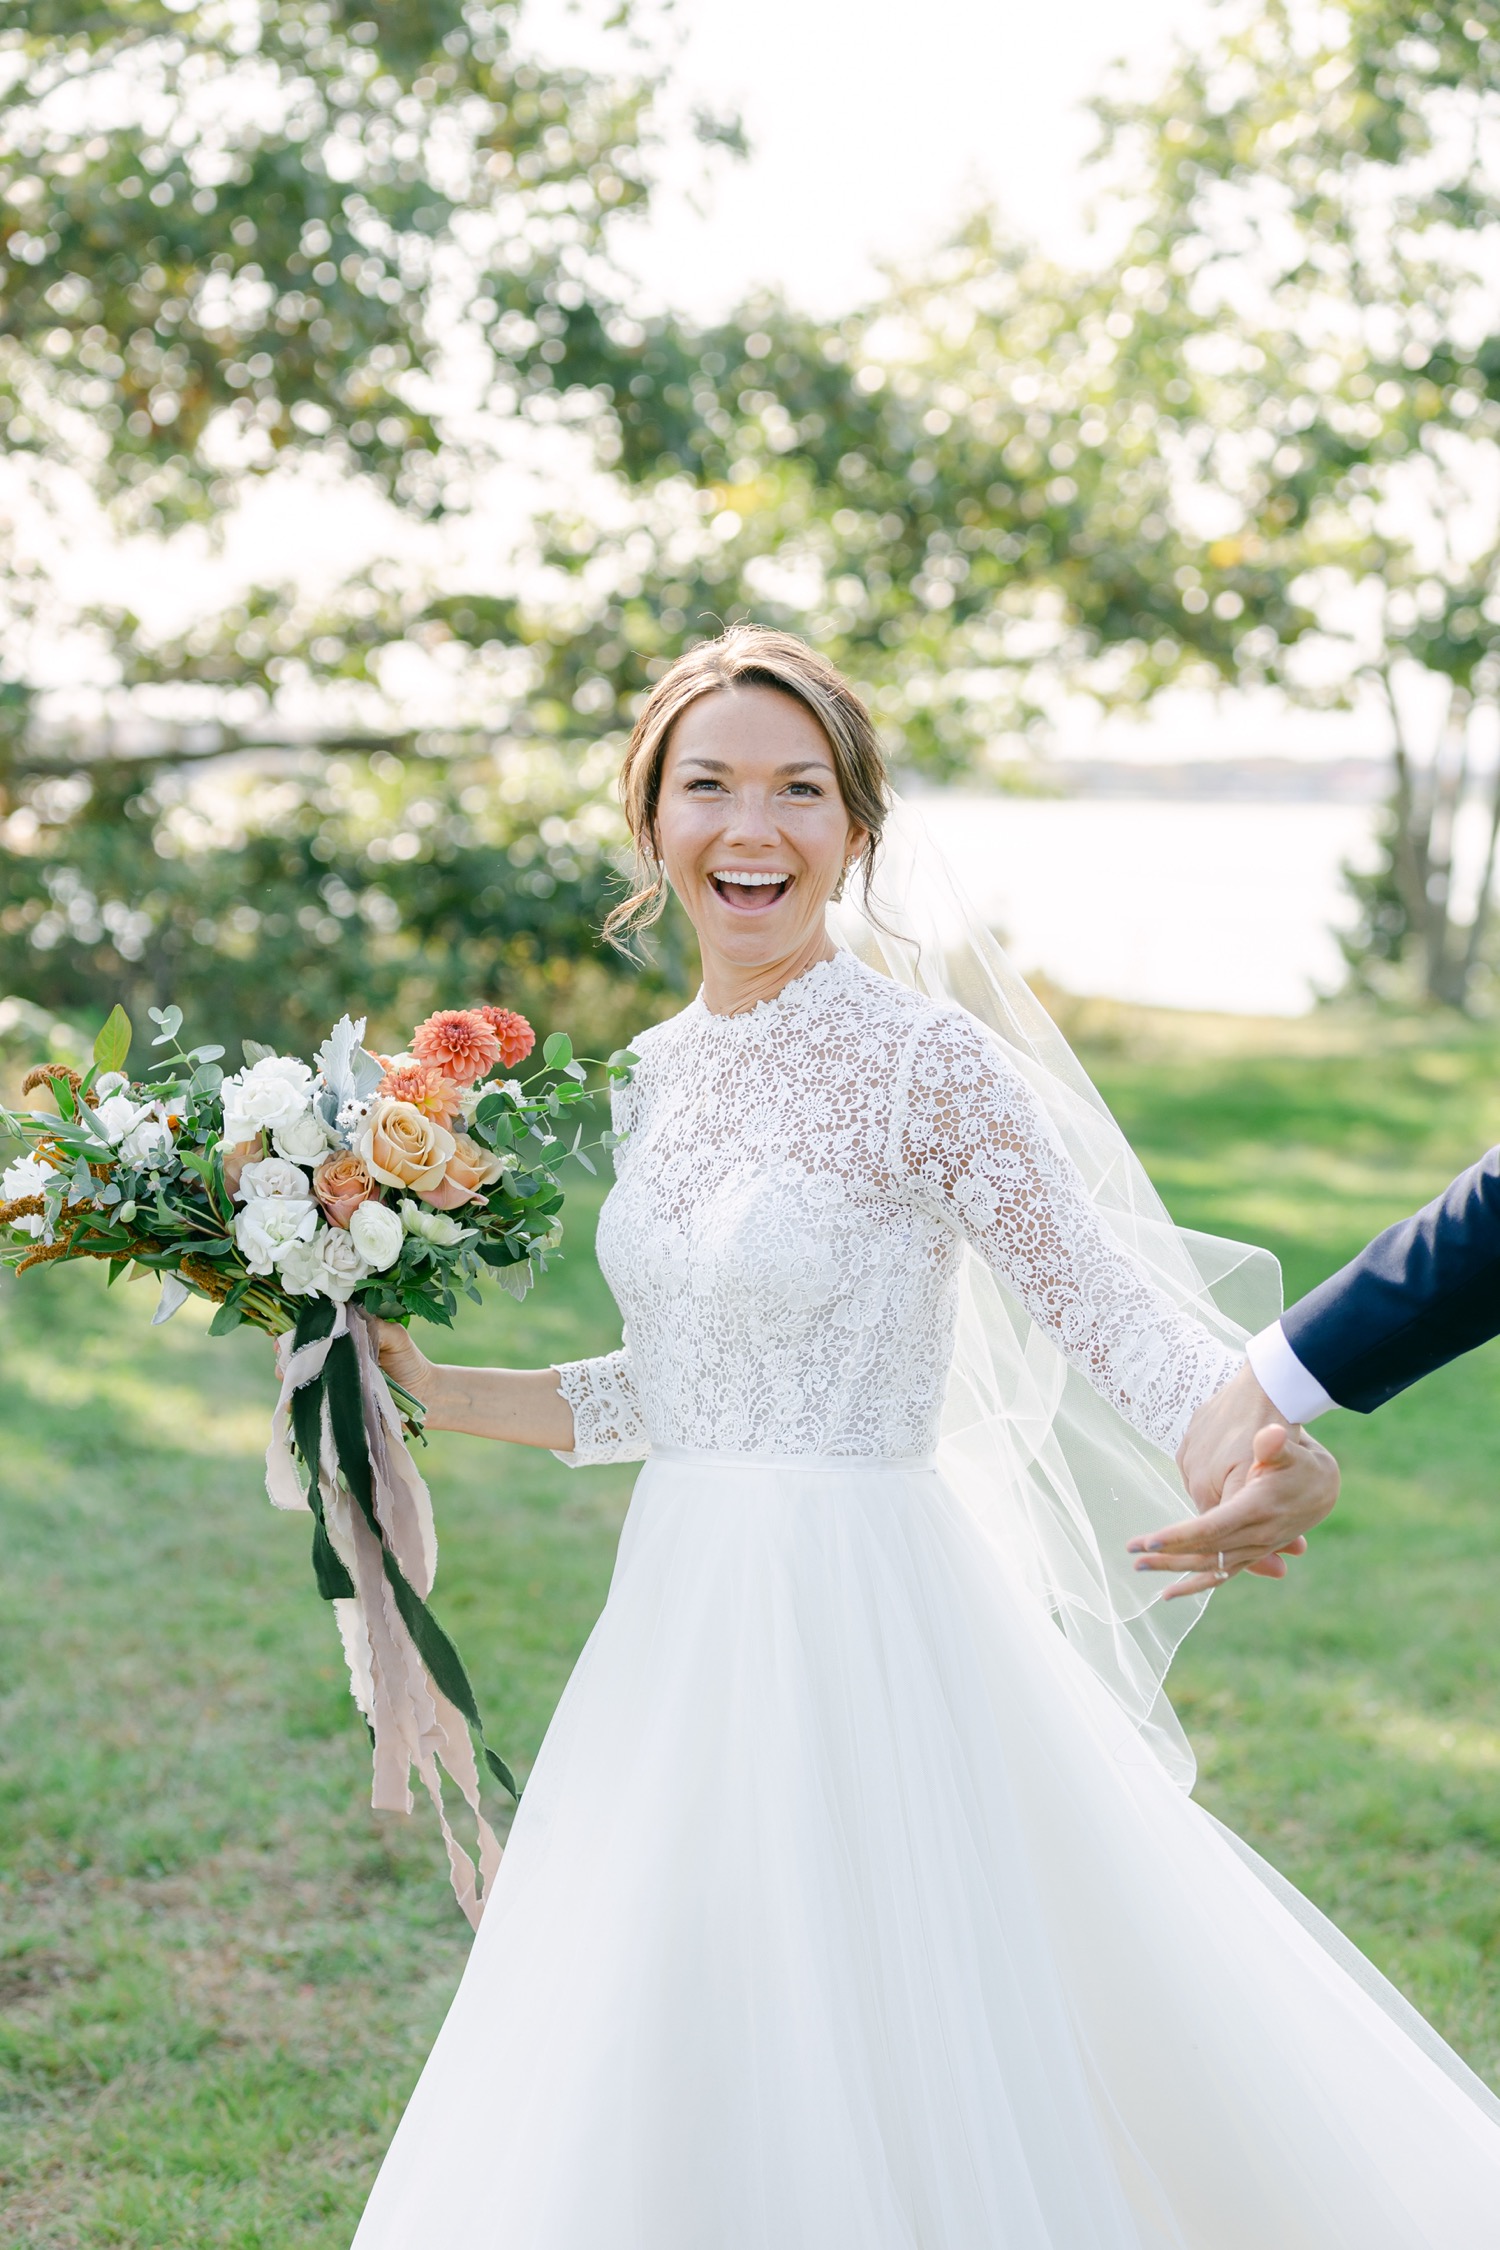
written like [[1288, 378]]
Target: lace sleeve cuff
[[607, 1421], [1207, 1364]]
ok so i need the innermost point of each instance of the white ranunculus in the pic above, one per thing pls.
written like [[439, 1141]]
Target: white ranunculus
[[304, 1141], [273, 1176], [432, 1226], [30, 1176], [110, 1082], [266, 1095], [377, 1233], [268, 1224], [146, 1143], [116, 1115]]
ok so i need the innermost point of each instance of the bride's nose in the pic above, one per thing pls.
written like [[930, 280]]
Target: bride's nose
[[751, 820]]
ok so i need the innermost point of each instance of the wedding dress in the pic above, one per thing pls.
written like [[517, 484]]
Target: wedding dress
[[846, 1909]]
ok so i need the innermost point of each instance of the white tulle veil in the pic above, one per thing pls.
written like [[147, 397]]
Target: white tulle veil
[[1054, 1473]]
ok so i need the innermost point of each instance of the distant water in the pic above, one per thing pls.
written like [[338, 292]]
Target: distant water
[[1227, 906]]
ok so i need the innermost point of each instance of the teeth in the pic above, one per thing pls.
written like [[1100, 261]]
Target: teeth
[[746, 880]]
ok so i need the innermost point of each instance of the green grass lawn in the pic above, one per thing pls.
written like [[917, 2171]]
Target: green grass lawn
[[219, 1971]]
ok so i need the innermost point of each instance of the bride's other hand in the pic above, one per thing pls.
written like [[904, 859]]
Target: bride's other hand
[[522, 1405], [1289, 1484], [401, 1360]]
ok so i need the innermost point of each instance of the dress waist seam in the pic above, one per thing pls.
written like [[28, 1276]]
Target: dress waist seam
[[713, 1457]]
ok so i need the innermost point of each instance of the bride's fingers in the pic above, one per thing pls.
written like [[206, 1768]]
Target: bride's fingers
[[1201, 1582]]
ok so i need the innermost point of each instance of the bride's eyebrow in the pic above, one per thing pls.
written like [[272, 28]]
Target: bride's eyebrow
[[797, 765]]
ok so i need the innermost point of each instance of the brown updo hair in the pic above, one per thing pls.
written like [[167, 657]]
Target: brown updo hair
[[745, 656]]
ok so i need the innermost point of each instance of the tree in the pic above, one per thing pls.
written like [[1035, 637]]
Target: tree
[[300, 227], [296, 236], [1318, 211], [965, 492]]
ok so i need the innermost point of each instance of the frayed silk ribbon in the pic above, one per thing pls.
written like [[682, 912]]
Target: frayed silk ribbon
[[375, 1557]]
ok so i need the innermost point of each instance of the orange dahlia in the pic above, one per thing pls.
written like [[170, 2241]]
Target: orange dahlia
[[458, 1042], [424, 1088], [512, 1032]]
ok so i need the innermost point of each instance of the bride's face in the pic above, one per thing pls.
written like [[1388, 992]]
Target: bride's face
[[751, 826]]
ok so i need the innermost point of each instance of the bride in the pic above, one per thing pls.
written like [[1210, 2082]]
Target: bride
[[853, 1903]]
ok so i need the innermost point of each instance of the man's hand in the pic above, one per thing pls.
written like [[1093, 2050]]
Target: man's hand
[[1260, 1487]]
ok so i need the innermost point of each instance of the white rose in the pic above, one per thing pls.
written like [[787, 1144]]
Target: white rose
[[299, 1268], [111, 1082], [432, 1226], [116, 1116], [376, 1232], [326, 1266], [29, 1175], [343, 1268], [146, 1143], [268, 1224], [268, 1094], [273, 1176], [304, 1141]]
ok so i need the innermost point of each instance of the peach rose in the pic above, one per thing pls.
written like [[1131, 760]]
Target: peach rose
[[459, 1043], [341, 1184], [403, 1148], [424, 1088], [470, 1169], [236, 1158]]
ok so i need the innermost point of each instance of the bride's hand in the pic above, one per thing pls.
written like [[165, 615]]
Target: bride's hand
[[401, 1360]]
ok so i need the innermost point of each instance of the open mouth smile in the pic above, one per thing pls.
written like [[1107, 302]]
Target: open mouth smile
[[750, 890]]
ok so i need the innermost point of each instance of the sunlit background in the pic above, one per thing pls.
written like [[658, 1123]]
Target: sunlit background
[[390, 392], [1166, 814]]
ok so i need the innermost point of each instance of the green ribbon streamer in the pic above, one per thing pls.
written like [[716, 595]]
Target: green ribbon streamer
[[339, 1383]]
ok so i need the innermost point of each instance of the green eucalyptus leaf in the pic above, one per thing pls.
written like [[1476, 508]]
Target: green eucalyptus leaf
[[557, 1052]]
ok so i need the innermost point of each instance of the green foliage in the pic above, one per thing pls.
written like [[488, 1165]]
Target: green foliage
[[390, 885], [236, 236], [113, 1043], [965, 493]]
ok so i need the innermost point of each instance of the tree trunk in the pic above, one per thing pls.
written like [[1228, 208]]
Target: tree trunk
[[1425, 805]]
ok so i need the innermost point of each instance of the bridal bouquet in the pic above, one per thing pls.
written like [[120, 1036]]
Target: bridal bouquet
[[314, 1199]]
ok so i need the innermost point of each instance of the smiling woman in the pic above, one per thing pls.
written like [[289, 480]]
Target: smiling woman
[[753, 785]]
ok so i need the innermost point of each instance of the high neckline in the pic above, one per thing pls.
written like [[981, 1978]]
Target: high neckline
[[796, 992]]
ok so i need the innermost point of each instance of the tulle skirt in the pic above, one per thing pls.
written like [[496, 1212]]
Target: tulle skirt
[[845, 1911]]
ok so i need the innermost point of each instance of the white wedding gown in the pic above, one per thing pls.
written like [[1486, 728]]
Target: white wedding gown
[[846, 1909]]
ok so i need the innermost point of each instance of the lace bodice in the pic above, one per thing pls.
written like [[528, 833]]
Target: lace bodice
[[788, 1220]]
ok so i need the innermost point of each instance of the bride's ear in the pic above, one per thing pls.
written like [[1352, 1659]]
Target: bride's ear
[[854, 851]]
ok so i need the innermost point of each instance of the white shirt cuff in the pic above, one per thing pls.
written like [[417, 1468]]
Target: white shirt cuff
[[1281, 1375]]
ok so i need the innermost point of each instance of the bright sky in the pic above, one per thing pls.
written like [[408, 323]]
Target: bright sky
[[873, 123]]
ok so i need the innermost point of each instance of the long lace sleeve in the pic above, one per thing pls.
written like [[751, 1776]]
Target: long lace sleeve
[[607, 1421], [971, 1143]]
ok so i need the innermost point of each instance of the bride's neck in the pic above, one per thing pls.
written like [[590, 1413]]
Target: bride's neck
[[730, 988]]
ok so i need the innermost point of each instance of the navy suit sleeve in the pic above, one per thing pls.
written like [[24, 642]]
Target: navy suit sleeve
[[1419, 1295]]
